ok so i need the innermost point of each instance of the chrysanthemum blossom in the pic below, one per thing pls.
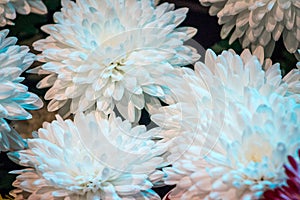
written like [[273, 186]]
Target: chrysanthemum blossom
[[90, 158], [259, 22], [14, 96], [112, 53], [220, 77], [9, 9], [242, 123]]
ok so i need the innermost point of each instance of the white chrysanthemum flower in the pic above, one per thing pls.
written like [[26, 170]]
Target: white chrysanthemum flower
[[237, 125], [90, 158], [229, 71], [112, 53], [259, 22], [14, 96], [9, 8]]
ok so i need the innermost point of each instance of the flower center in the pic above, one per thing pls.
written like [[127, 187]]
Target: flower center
[[255, 148], [92, 185], [256, 153], [115, 71], [255, 158]]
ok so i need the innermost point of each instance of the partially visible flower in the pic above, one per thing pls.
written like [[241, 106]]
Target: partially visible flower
[[14, 96], [290, 191], [238, 123], [9, 8], [259, 22], [112, 54], [90, 158]]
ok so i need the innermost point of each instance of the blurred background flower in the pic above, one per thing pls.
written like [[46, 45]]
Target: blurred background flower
[[258, 23], [10, 8]]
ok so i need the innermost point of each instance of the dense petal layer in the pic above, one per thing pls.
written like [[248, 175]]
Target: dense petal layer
[[259, 22], [14, 96], [112, 54], [231, 129], [90, 158], [9, 9]]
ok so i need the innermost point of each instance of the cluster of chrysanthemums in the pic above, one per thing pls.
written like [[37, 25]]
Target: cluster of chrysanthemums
[[230, 130]]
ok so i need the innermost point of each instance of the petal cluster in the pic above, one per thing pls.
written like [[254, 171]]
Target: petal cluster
[[242, 121], [9, 9], [90, 158], [221, 77], [112, 54], [292, 188], [259, 23], [14, 96]]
